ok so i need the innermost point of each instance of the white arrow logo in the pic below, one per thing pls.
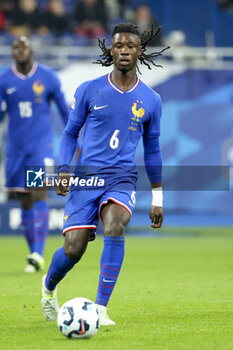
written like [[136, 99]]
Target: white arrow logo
[[104, 279], [100, 107], [11, 90]]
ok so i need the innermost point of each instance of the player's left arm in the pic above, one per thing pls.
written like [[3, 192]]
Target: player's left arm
[[156, 212], [59, 98], [153, 163]]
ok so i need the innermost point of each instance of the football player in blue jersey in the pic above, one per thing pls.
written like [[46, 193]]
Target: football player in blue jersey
[[28, 88], [117, 110]]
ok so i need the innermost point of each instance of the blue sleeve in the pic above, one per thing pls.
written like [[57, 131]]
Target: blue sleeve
[[2, 90], [58, 97], [76, 120], [152, 152], [153, 160]]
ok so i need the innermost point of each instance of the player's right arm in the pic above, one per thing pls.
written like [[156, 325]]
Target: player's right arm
[[68, 145], [58, 96], [2, 90]]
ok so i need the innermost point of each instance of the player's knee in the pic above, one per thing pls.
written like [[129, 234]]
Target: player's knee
[[115, 228], [74, 252], [26, 201], [39, 196], [27, 205], [75, 244]]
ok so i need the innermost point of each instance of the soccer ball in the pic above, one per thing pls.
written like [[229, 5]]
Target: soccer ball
[[78, 318]]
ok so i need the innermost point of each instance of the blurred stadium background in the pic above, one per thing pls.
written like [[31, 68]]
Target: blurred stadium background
[[196, 86]]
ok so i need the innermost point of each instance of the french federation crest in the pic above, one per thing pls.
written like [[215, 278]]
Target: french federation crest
[[38, 88], [137, 112]]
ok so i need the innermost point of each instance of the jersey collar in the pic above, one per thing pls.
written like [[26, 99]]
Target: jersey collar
[[24, 77], [119, 90]]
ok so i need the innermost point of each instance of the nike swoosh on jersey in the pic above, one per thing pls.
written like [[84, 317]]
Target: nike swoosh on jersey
[[104, 279], [11, 90], [99, 107]]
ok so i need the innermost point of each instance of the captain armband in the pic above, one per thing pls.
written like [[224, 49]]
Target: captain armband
[[157, 197]]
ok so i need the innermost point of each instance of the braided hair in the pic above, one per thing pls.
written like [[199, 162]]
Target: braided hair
[[106, 59]]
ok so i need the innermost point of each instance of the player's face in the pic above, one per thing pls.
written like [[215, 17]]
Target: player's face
[[125, 51], [22, 50]]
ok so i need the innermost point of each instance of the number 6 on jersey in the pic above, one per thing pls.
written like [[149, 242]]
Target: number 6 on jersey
[[114, 141]]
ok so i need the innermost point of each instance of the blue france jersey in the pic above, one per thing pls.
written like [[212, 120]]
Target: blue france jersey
[[114, 123], [28, 102]]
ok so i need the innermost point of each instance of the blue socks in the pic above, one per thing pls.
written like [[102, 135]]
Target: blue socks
[[28, 227], [58, 268], [41, 222], [110, 266], [35, 226]]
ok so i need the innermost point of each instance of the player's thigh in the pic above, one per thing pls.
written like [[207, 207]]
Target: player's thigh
[[81, 211], [80, 219], [116, 208], [76, 243], [115, 219]]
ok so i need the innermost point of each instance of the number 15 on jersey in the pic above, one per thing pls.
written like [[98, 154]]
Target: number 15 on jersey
[[25, 109]]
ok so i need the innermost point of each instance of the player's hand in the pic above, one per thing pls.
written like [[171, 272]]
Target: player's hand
[[62, 186], [156, 216]]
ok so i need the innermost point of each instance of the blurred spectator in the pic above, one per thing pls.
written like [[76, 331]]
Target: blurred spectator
[[124, 8], [143, 18], [26, 18], [226, 4], [113, 9], [8, 6], [2, 20], [176, 38], [117, 9], [90, 18], [55, 18]]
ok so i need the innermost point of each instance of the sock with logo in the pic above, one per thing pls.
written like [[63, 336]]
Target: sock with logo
[[28, 227], [58, 268], [110, 266], [41, 226]]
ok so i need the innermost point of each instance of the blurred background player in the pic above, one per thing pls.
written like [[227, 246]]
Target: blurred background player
[[117, 110], [28, 88]]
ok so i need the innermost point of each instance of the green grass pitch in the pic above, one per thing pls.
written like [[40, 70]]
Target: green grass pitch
[[173, 293]]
